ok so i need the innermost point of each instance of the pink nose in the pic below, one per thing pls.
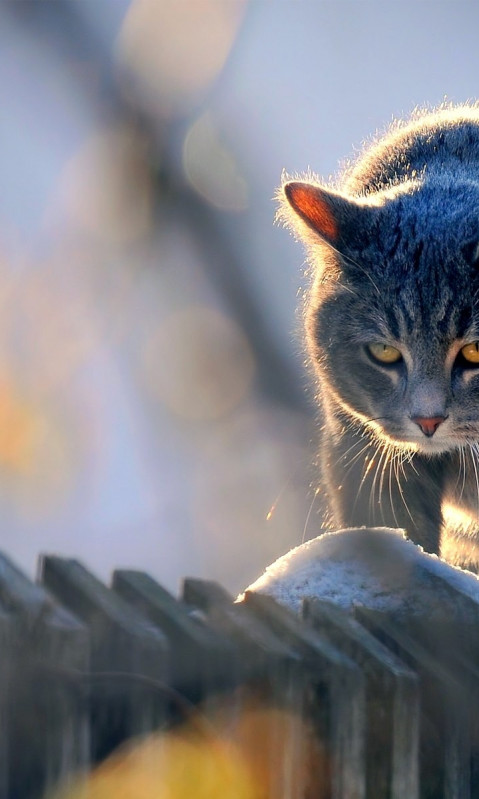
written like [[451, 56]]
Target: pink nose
[[428, 424]]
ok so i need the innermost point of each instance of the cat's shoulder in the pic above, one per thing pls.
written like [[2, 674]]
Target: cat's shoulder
[[447, 136]]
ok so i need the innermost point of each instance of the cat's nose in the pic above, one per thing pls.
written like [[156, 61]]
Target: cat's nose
[[428, 424]]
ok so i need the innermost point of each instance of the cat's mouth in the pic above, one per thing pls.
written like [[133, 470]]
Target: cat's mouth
[[427, 446], [443, 440], [429, 436], [405, 435], [436, 446]]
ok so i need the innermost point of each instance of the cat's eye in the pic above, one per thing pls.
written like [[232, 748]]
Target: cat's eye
[[470, 352], [384, 353]]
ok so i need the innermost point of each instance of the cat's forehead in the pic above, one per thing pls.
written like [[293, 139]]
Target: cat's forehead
[[437, 312], [423, 268], [441, 216]]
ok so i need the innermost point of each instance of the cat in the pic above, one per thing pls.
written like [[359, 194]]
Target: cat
[[392, 330]]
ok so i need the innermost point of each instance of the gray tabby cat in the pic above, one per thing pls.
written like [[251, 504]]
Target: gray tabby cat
[[392, 324]]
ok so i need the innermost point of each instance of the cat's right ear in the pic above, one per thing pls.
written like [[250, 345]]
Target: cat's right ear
[[334, 218]]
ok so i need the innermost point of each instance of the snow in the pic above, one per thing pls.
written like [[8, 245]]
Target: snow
[[377, 568]]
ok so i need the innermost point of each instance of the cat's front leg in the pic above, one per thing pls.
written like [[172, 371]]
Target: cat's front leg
[[461, 489]]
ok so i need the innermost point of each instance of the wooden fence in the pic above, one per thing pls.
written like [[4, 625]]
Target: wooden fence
[[391, 704]]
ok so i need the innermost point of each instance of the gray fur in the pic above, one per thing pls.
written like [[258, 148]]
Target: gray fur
[[400, 269]]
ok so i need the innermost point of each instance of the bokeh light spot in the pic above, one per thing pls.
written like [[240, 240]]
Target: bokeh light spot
[[171, 51], [174, 766], [252, 753], [36, 462], [199, 364], [211, 168], [20, 428], [106, 188]]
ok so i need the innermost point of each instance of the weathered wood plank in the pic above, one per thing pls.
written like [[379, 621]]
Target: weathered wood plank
[[7, 669], [445, 725], [202, 661], [205, 594], [336, 699], [392, 702], [49, 649], [272, 676], [129, 655]]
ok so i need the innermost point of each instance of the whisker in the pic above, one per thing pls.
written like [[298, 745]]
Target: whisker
[[377, 419], [401, 465], [386, 461], [460, 468], [356, 444], [410, 460], [309, 515], [351, 291], [282, 490], [462, 462], [358, 266], [352, 460], [367, 469], [473, 450], [373, 486], [393, 464], [362, 432]]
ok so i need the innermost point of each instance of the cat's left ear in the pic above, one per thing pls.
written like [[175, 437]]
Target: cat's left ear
[[336, 219]]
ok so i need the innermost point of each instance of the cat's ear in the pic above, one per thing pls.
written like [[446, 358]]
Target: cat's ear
[[334, 218]]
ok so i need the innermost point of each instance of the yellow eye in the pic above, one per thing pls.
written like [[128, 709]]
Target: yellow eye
[[470, 352], [384, 353]]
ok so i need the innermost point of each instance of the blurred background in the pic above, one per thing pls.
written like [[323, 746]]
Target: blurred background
[[155, 411]]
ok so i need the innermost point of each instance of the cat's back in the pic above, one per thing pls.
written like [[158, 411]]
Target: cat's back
[[441, 142]]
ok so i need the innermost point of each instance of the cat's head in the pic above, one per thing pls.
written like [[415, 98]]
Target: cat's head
[[392, 318]]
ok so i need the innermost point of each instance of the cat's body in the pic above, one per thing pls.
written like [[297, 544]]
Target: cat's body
[[392, 325]]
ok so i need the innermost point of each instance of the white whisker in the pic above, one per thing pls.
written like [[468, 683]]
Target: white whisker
[[373, 486], [358, 266], [474, 454], [462, 464], [352, 461], [344, 454], [404, 456], [309, 515], [369, 465], [393, 464]]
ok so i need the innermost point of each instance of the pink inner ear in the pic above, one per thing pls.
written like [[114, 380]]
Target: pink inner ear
[[310, 204]]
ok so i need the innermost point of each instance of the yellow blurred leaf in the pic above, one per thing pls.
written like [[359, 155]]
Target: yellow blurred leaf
[[252, 752], [173, 766]]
